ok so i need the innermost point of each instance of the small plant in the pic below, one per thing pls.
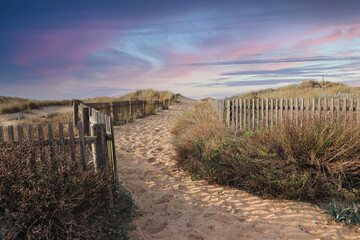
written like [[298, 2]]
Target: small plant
[[124, 118], [344, 214]]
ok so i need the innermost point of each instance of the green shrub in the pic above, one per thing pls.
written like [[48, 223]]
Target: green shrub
[[55, 199], [344, 214]]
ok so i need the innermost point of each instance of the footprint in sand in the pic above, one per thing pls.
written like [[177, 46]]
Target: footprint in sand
[[151, 160], [159, 149], [155, 226], [163, 199]]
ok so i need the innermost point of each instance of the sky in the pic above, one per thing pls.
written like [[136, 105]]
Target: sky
[[214, 48]]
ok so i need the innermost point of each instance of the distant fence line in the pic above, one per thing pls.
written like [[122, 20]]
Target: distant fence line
[[244, 114], [122, 110]]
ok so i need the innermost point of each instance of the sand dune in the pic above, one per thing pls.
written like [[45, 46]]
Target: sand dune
[[175, 207]]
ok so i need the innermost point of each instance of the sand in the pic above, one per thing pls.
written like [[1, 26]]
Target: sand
[[175, 207]]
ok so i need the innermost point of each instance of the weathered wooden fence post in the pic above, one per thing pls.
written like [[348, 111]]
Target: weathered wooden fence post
[[75, 113], [99, 148], [85, 119]]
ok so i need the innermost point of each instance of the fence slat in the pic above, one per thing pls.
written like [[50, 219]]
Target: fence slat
[[113, 147], [228, 112], [276, 111], [245, 117], [1, 134], [257, 112], [332, 109], [99, 148], [11, 134], [287, 108], [249, 114], [51, 140], [291, 110], [61, 139], [345, 110], [20, 133], [41, 139], [241, 113], [82, 145], [313, 109], [75, 112], [325, 109], [253, 113], [262, 112], [85, 119], [281, 110], [30, 133], [232, 112], [272, 112], [319, 108], [297, 111], [338, 109], [351, 110], [307, 110], [302, 111], [267, 113], [236, 114], [72, 141], [358, 111]]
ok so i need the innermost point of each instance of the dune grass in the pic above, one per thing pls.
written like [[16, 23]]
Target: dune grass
[[147, 94], [13, 104], [56, 199], [307, 89], [314, 163]]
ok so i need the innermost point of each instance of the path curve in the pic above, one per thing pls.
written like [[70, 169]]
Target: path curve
[[175, 207]]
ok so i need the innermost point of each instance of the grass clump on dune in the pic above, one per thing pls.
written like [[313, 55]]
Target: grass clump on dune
[[148, 94], [13, 104], [316, 162], [307, 89]]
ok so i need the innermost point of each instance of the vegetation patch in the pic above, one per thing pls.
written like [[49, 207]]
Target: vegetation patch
[[54, 199], [315, 162]]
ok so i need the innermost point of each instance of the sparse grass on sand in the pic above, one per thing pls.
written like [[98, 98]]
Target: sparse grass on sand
[[307, 89], [314, 163]]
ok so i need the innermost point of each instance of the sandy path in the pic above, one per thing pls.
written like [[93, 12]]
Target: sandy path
[[175, 207]]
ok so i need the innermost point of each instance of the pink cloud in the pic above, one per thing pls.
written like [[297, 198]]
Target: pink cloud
[[333, 34], [57, 51]]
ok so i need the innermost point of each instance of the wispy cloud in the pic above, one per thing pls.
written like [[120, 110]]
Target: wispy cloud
[[281, 60]]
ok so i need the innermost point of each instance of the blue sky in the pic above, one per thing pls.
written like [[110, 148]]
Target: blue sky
[[81, 49]]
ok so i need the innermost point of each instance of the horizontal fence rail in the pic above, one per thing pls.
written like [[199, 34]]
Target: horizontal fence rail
[[245, 113]]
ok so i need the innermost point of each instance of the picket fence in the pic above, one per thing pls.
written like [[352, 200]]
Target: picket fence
[[95, 129], [244, 114]]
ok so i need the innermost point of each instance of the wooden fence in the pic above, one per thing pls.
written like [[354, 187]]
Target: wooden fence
[[258, 113], [123, 111], [95, 129]]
